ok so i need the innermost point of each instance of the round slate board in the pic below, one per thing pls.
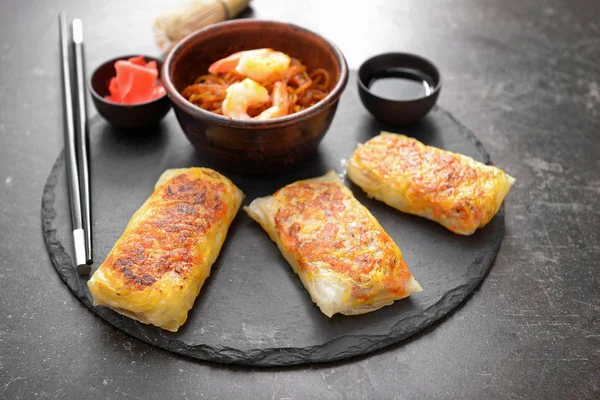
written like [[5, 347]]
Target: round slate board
[[253, 309]]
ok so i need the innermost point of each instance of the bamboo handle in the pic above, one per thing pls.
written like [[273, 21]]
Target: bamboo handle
[[176, 23], [235, 6]]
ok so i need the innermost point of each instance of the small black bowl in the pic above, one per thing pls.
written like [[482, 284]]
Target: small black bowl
[[126, 116], [395, 112]]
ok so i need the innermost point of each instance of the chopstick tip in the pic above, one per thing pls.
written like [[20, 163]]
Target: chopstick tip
[[62, 18], [77, 31]]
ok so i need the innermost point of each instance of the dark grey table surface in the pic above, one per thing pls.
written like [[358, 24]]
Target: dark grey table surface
[[523, 75]]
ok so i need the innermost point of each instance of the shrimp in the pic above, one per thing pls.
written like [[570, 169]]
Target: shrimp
[[281, 102], [249, 93], [260, 65], [242, 95]]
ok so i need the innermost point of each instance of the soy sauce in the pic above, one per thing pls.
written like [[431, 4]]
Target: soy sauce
[[401, 84]]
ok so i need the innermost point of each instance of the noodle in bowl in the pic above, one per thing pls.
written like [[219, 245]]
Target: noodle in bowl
[[303, 88], [255, 145]]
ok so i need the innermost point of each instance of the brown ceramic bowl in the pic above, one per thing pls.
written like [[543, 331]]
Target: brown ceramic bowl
[[125, 116], [251, 146]]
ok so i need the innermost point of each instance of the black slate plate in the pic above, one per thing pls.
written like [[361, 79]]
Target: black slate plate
[[253, 310]]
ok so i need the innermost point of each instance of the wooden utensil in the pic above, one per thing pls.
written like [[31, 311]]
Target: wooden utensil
[[176, 23]]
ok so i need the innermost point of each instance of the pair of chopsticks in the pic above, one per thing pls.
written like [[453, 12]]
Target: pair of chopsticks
[[76, 142]]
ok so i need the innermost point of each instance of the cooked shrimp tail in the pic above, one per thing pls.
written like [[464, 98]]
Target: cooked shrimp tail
[[281, 102], [226, 64]]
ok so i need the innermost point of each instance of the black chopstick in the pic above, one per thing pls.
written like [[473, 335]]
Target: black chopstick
[[71, 152], [81, 130]]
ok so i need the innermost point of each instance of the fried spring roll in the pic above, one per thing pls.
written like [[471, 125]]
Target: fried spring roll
[[344, 258], [156, 269], [449, 188]]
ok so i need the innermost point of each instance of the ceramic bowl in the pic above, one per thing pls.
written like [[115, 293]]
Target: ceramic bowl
[[125, 116], [253, 146], [394, 111]]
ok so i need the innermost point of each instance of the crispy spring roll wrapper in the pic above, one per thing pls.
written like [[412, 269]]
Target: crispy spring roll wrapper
[[344, 258], [156, 269], [449, 188]]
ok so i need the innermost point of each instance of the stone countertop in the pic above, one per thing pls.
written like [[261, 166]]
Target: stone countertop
[[523, 75]]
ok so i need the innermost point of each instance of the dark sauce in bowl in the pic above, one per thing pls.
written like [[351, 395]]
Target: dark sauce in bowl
[[401, 84], [398, 88]]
